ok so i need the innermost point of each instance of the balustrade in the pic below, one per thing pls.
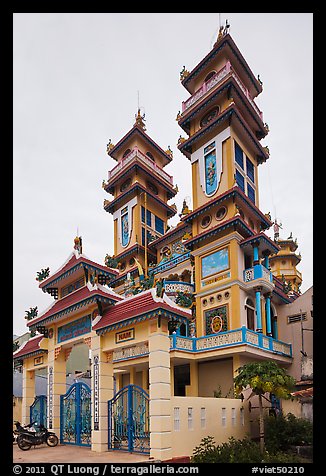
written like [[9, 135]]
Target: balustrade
[[143, 158], [228, 338], [227, 69]]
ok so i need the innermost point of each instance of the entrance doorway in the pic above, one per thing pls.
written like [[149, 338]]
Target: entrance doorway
[[75, 415], [129, 420]]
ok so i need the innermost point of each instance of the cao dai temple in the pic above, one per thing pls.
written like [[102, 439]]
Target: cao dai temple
[[175, 311]]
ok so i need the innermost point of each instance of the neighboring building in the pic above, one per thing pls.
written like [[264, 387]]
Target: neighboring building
[[19, 340], [296, 324], [176, 311]]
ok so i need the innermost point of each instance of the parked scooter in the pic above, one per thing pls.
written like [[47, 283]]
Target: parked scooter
[[26, 438], [20, 428]]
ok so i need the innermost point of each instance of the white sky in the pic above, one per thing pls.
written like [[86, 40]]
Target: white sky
[[76, 77]]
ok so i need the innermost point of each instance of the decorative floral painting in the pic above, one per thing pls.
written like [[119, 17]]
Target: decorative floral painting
[[210, 169], [215, 262], [125, 229], [216, 320]]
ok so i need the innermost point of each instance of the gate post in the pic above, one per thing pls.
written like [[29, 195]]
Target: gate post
[[102, 391], [56, 387], [160, 390], [28, 393]]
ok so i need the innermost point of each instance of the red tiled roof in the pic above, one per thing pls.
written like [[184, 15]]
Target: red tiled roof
[[71, 299], [73, 261], [308, 392], [30, 346], [136, 306]]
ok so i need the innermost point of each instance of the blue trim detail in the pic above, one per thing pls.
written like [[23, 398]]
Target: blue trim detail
[[261, 337]]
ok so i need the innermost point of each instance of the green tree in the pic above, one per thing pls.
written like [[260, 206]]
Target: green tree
[[262, 377]]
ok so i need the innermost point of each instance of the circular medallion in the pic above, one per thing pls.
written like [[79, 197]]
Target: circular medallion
[[50, 334], [217, 324]]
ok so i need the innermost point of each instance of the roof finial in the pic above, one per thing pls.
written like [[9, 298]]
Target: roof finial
[[223, 30], [140, 118], [78, 243]]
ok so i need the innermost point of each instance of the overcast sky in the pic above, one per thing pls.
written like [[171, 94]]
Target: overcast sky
[[76, 78]]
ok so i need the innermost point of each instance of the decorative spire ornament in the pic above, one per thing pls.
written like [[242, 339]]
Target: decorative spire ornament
[[140, 118]]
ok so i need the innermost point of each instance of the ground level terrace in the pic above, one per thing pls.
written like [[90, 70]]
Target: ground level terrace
[[154, 394]]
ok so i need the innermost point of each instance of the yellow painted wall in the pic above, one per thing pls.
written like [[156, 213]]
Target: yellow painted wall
[[17, 409], [108, 340], [214, 376], [185, 439], [215, 65], [144, 147]]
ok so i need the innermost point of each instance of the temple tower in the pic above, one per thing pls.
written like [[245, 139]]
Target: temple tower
[[141, 190], [284, 263], [224, 127]]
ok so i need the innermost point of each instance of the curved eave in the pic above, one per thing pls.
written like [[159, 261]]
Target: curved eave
[[30, 354], [233, 192], [158, 312], [236, 222], [228, 82], [110, 274], [137, 248], [263, 241], [280, 256], [137, 186], [293, 246], [70, 309], [168, 235], [137, 130], [186, 146], [219, 45], [138, 165]]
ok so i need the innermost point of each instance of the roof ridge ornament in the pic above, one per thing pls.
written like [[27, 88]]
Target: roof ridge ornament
[[223, 30], [109, 147], [140, 118], [78, 244]]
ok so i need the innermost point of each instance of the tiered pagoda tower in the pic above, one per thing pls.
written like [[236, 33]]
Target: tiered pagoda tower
[[284, 264], [224, 127], [141, 190]]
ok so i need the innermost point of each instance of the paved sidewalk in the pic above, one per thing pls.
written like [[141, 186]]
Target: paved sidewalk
[[74, 454]]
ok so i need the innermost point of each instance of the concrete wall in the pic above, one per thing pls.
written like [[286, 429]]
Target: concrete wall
[[17, 408], [213, 376], [292, 332], [218, 422]]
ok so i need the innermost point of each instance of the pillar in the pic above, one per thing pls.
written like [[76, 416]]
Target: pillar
[[102, 392], [192, 389], [28, 393], [256, 253], [144, 380], [266, 261], [56, 386], [160, 390], [132, 376], [268, 314], [258, 309]]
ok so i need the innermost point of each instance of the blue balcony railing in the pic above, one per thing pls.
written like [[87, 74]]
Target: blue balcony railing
[[228, 339], [257, 272]]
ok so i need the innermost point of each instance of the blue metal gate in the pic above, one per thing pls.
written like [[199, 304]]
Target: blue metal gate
[[129, 420], [38, 410], [75, 415]]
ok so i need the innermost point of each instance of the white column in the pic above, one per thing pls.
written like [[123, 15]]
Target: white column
[[28, 393], [160, 391], [102, 392]]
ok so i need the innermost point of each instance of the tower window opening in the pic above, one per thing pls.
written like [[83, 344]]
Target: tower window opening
[[150, 155], [126, 152], [209, 76], [250, 314], [244, 172]]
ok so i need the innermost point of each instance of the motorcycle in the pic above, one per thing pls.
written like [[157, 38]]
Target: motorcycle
[[20, 428], [26, 439]]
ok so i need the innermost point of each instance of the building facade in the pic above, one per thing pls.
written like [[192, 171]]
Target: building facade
[[175, 311]]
